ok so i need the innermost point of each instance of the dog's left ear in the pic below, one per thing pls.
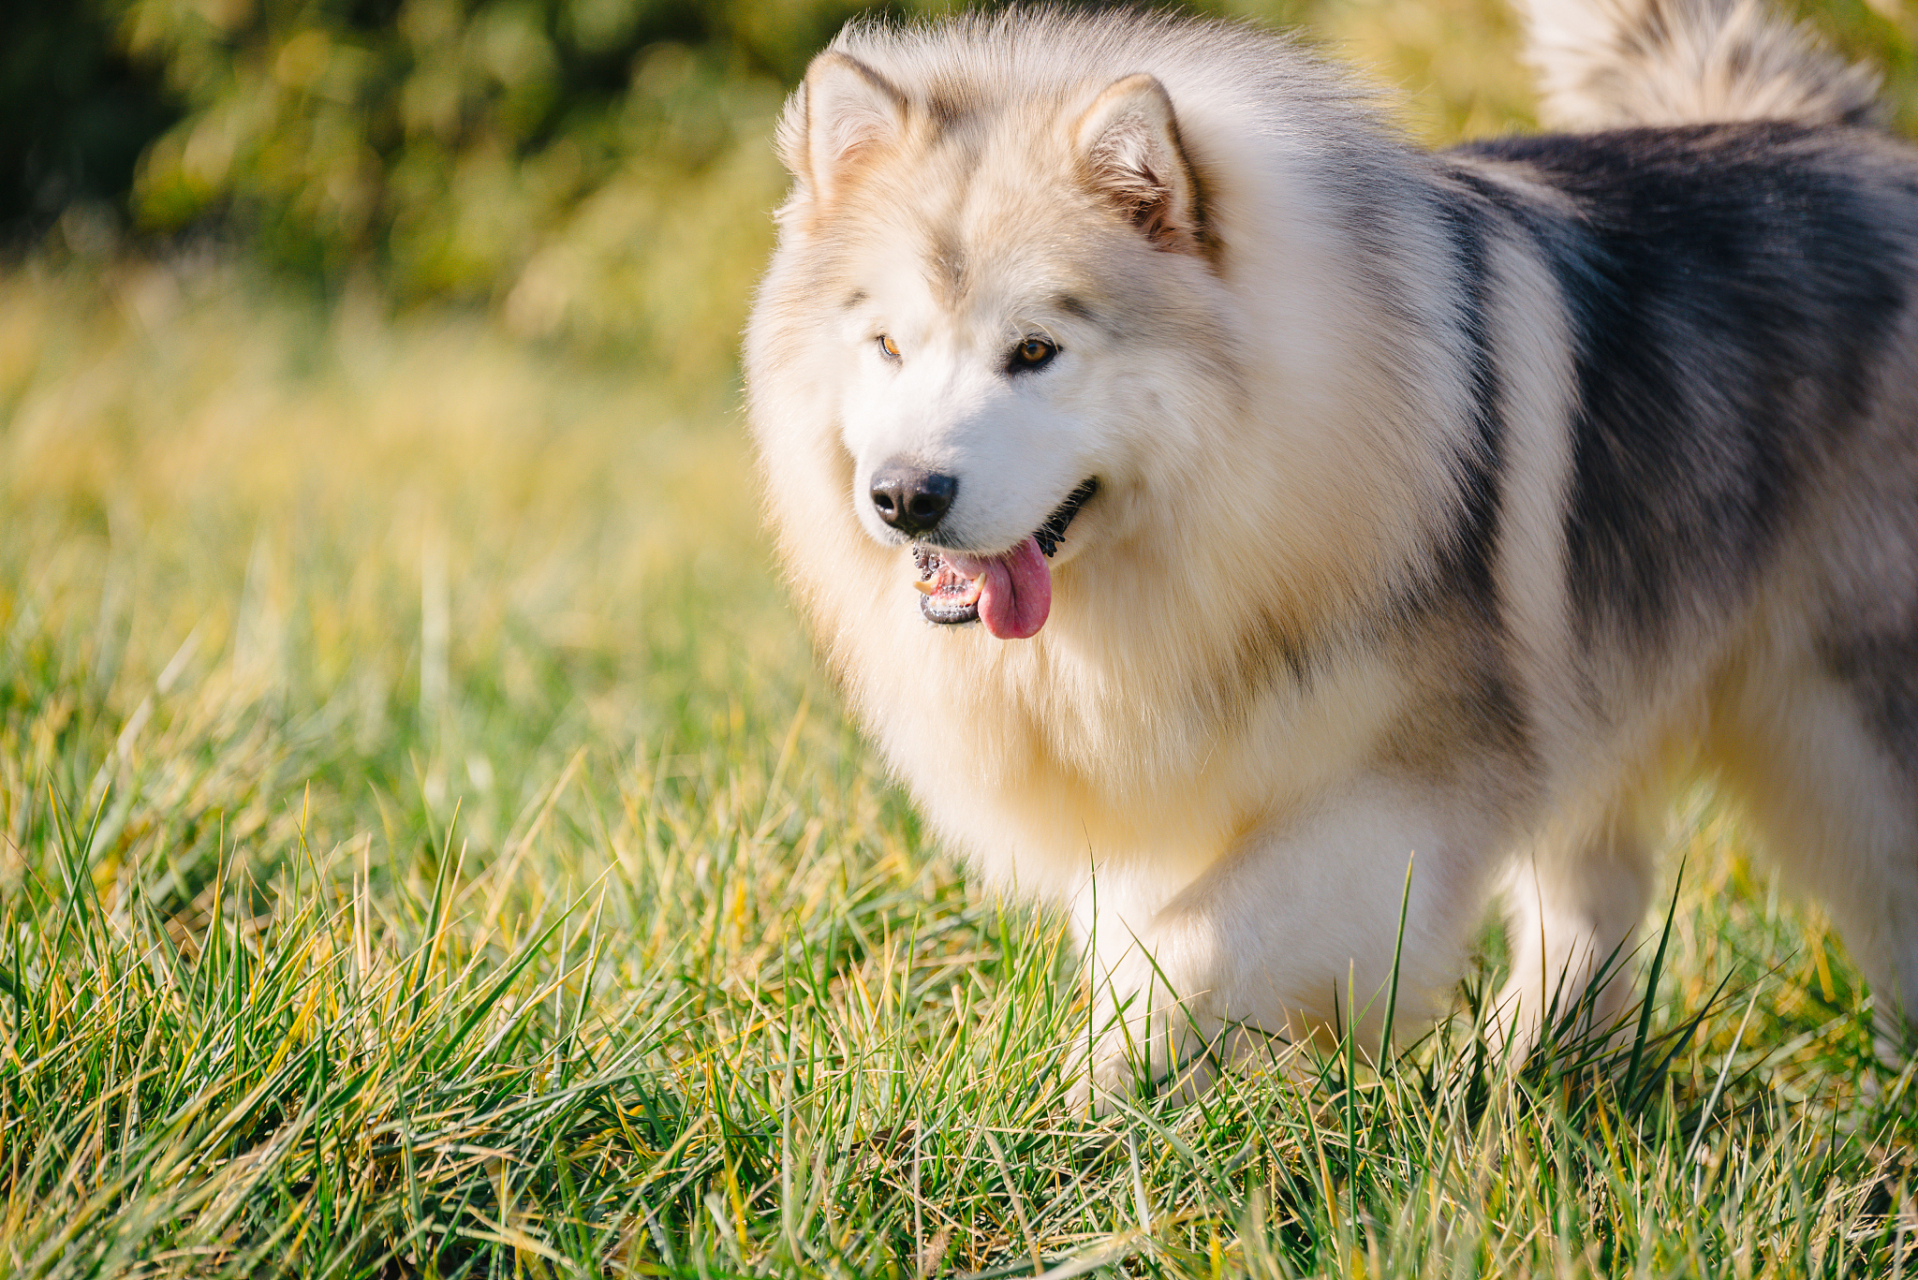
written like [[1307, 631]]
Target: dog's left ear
[[1128, 141], [842, 115]]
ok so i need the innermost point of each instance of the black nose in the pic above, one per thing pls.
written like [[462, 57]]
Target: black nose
[[912, 499]]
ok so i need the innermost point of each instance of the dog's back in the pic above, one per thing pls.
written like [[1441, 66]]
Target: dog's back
[[1737, 271]]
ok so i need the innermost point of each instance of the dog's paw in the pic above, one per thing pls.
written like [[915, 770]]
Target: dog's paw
[[1091, 1094], [1156, 1012], [1167, 1051], [1099, 1088]]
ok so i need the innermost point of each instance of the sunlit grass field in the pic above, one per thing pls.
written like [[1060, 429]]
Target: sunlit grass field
[[428, 849]]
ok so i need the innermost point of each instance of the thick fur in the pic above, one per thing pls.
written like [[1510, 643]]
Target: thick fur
[[1450, 506], [1609, 63]]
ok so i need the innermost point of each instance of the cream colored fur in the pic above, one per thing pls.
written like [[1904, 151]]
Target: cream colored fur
[[1274, 437], [1609, 63]]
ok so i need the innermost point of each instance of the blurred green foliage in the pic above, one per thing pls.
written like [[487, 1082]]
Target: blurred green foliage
[[75, 112], [594, 170]]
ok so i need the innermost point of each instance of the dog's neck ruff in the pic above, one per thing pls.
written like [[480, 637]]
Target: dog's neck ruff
[[1010, 593]]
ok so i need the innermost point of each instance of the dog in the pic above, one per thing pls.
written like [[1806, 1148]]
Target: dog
[[1273, 542]]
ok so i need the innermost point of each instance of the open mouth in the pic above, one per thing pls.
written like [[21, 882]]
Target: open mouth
[[1011, 593]]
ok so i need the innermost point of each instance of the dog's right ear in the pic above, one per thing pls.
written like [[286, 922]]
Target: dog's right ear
[[842, 115], [1128, 141]]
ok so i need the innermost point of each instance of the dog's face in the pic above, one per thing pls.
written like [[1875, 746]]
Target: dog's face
[[983, 387], [1004, 288]]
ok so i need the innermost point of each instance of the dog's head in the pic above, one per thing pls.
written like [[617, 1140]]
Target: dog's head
[[1006, 288]]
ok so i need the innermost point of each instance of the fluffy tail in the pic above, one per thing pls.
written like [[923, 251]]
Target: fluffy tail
[[1618, 63]]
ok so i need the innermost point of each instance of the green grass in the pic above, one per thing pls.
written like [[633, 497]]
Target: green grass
[[427, 849]]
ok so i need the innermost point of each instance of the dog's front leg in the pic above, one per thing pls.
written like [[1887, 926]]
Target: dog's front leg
[[1293, 931]]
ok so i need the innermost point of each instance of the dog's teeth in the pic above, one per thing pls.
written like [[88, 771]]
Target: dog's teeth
[[925, 586]]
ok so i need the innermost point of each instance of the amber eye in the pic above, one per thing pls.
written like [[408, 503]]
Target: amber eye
[[1031, 354], [888, 347]]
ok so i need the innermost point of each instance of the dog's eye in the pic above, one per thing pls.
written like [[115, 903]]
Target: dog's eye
[[1034, 353], [887, 347]]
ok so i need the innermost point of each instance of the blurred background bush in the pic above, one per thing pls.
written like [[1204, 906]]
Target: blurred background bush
[[593, 170]]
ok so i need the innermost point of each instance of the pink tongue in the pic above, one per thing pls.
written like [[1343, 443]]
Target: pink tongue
[[1017, 594]]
